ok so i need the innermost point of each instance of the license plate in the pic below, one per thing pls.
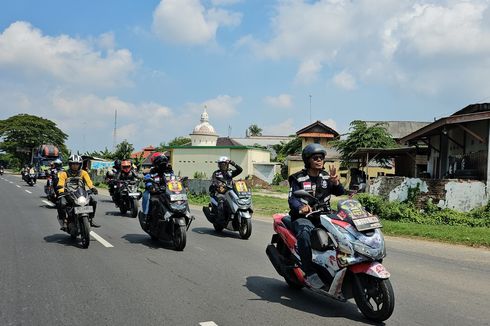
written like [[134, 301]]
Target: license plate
[[367, 223], [135, 194], [84, 209], [178, 197]]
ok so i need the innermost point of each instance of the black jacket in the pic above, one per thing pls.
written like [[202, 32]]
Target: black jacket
[[320, 187]]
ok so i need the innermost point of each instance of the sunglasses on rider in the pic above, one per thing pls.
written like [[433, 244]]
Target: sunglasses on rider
[[317, 157]]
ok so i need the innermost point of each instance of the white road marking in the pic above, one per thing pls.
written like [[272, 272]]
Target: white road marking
[[11, 182], [17, 186], [49, 203], [101, 240], [199, 248], [208, 323], [28, 191]]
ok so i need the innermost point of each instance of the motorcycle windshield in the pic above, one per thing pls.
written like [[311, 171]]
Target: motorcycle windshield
[[352, 212]]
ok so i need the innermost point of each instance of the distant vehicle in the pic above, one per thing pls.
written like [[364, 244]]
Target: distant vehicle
[[43, 156]]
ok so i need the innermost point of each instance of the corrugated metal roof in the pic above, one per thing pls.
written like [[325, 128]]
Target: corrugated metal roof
[[400, 129]]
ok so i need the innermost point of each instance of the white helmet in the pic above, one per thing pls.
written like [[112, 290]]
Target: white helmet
[[223, 159], [57, 161], [75, 159]]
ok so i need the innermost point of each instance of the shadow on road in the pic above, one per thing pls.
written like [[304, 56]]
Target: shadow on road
[[145, 240], [61, 238], [273, 290], [223, 234]]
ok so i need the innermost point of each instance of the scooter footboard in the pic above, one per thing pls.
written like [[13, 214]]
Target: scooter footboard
[[374, 269]]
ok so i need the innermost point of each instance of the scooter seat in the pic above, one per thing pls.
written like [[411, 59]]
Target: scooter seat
[[287, 222]]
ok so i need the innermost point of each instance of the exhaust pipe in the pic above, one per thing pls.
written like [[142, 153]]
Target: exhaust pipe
[[275, 258]]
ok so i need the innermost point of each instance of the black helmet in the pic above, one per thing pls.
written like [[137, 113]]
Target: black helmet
[[160, 161], [311, 150], [117, 164]]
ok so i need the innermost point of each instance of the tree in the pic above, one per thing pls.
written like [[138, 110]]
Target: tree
[[362, 136], [285, 149], [21, 133], [180, 141], [255, 130], [105, 154], [123, 150]]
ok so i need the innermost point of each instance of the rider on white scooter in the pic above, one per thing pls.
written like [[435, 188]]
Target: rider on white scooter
[[319, 184]]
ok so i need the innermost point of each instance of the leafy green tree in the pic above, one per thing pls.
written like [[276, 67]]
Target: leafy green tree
[[255, 130], [123, 150], [21, 133], [283, 150], [363, 136], [105, 154], [180, 141]]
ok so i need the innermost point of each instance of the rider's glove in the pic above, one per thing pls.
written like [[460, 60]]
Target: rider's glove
[[94, 191]]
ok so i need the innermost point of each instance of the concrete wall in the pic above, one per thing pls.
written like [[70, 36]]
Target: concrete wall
[[460, 195], [187, 161]]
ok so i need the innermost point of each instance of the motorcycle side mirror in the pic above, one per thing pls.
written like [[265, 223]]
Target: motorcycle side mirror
[[247, 177]]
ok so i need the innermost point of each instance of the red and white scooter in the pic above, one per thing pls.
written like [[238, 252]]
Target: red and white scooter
[[347, 252]]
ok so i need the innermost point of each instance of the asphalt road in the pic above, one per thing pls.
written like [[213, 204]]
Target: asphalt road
[[46, 279]]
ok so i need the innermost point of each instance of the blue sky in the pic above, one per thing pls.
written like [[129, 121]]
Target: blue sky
[[250, 61]]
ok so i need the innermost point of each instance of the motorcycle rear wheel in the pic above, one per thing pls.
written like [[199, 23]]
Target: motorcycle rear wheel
[[374, 297], [85, 232], [180, 237], [218, 228]]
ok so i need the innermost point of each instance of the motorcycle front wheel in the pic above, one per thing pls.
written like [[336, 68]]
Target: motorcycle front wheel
[[245, 228], [180, 237], [85, 232], [134, 208], [374, 297]]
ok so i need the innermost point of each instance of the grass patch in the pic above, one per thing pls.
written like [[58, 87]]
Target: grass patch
[[472, 236], [268, 206]]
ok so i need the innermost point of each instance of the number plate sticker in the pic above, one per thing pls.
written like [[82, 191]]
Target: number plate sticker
[[367, 223], [178, 197], [84, 209]]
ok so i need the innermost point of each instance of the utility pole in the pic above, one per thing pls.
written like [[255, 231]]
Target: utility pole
[[115, 131]]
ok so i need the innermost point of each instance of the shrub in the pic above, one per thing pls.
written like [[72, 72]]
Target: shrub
[[431, 215]]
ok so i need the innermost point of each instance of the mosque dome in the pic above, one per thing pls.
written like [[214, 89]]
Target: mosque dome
[[204, 128]]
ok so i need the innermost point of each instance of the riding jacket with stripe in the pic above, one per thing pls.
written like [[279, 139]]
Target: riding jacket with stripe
[[319, 187]]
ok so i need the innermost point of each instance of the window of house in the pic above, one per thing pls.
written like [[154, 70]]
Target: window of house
[[316, 140]]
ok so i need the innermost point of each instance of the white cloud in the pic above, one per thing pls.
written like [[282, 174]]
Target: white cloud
[[281, 101], [308, 72], [189, 22], [225, 2], [223, 106], [30, 54], [283, 128], [345, 80], [414, 45], [432, 30]]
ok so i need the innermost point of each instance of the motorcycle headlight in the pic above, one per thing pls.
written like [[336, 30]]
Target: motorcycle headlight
[[365, 250], [81, 201], [243, 201]]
